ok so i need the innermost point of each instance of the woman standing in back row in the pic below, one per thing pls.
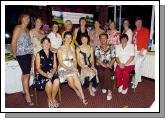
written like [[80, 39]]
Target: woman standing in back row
[[22, 50], [94, 34]]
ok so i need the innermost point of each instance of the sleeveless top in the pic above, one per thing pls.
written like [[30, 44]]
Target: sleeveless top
[[79, 34], [36, 42], [67, 57], [24, 44], [85, 57], [46, 63]]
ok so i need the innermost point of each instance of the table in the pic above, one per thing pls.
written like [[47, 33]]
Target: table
[[148, 69], [13, 75]]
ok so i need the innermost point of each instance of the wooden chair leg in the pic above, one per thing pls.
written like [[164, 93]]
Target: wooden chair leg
[[35, 93]]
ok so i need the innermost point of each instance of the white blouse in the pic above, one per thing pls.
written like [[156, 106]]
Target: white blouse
[[126, 53], [56, 41], [129, 34]]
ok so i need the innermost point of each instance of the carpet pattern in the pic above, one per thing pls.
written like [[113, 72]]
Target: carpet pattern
[[143, 97]]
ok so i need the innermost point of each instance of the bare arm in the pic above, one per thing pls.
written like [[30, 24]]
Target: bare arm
[[78, 58], [101, 63], [31, 33], [75, 37], [40, 71], [112, 62], [74, 57], [129, 60], [16, 34], [92, 57], [118, 61], [54, 65]]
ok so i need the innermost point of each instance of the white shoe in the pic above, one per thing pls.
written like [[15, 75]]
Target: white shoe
[[140, 81], [109, 97], [120, 89], [134, 86], [125, 91], [104, 90], [93, 89]]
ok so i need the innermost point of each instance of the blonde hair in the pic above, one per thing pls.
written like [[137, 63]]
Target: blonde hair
[[67, 22]]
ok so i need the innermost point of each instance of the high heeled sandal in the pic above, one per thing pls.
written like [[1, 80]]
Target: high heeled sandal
[[84, 101], [50, 104], [30, 103], [55, 104]]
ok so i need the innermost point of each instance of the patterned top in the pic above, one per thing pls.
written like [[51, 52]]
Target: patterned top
[[24, 44], [113, 37], [105, 54], [46, 63], [85, 57], [36, 41], [94, 37]]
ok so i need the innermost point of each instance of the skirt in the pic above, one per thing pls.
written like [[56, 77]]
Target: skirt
[[41, 81], [25, 62]]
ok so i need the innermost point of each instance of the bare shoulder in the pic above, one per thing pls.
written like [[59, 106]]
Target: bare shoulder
[[32, 31], [17, 28], [59, 49]]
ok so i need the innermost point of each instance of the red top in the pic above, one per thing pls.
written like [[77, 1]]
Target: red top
[[142, 38]]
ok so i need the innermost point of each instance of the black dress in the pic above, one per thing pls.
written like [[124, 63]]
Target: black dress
[[46, 64], [79, 34]]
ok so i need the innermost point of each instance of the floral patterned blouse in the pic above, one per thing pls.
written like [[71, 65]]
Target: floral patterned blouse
[[105, 54], [113, 37]]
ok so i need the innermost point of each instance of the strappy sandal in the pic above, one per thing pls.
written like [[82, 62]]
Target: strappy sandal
[[55, 104], [29, 103], [50, 104], [84, 101]]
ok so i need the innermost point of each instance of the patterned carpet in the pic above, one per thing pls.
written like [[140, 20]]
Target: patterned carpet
[[142, 98]]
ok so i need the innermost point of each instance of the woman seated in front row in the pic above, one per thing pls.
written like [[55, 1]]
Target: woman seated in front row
[[46, 72], [125, 59], [105, 55], [68, 66], [85, 58]]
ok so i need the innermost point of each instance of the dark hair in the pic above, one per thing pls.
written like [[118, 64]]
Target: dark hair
[[138, 18], [40, 18], [124, 36], [96, 21], [23, 14], [86, 36], [126, 19], [103, 34], [45, 38], [67, 33], [54, 23], [82, 18]]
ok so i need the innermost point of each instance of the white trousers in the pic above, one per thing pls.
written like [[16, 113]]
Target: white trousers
[[139, 59]]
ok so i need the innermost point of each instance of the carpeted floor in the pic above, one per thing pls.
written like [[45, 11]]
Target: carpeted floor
[[142, 98]]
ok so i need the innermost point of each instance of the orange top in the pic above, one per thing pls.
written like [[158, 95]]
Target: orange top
[[142, 38]]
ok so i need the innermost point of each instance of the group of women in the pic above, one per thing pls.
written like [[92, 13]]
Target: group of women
[[81, 57]]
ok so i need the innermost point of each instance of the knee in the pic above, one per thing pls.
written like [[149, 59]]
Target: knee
[[56, 82], [71, 83], [48, 84]]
